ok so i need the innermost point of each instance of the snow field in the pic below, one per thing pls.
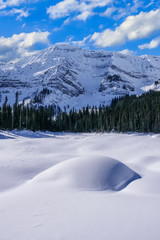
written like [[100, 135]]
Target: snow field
[[51, 186]]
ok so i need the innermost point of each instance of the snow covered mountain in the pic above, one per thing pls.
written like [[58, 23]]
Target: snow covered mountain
[[70, 76]]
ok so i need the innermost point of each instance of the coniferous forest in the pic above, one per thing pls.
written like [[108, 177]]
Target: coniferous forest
[[125, 114]]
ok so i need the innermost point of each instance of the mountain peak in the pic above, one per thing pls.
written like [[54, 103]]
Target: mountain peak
[[67, 75]]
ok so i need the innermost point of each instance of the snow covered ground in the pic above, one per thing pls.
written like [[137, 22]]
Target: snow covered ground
[[79, 186]]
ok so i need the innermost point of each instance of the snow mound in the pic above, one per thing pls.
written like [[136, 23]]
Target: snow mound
[[90, 173]]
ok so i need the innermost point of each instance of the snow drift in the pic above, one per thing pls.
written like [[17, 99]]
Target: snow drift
[[90, 173], [42, 201]]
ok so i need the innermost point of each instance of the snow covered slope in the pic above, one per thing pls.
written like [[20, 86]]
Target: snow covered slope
[[67, 75], [48, 183]]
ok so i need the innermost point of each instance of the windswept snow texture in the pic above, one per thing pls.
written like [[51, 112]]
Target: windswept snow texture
[[79, 186], [91, 173], [69, 76]]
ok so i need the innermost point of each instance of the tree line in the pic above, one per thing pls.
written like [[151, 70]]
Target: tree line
[[125, 114], [21, 116]]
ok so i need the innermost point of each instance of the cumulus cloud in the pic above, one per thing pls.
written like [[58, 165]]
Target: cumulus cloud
[[82, 9], [20, 45], [153, 44], [134, 27]]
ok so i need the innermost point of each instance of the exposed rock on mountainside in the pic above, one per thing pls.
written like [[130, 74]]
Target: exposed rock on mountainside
[[69, 76]]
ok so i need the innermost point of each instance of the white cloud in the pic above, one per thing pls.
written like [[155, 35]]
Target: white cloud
[[66, 22], [14, 3], [62, 9], [11, 3], [80, 43], [153, 44], [127, 52], [21, 13], [20, 45], [136, 5], [14, 11], [122, 12], [151, 3], [9, 8], [109, 12], [24, 24], [83, 8], [2, 5], [84, 15], [129, 9], [134, 27]]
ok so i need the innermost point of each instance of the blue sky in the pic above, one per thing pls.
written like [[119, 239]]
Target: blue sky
[[131, 27]]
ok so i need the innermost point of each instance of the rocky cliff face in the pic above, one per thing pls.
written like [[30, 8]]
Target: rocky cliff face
[[69, 76]]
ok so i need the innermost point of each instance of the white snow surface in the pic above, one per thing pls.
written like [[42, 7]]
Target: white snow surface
[[79, 186]]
